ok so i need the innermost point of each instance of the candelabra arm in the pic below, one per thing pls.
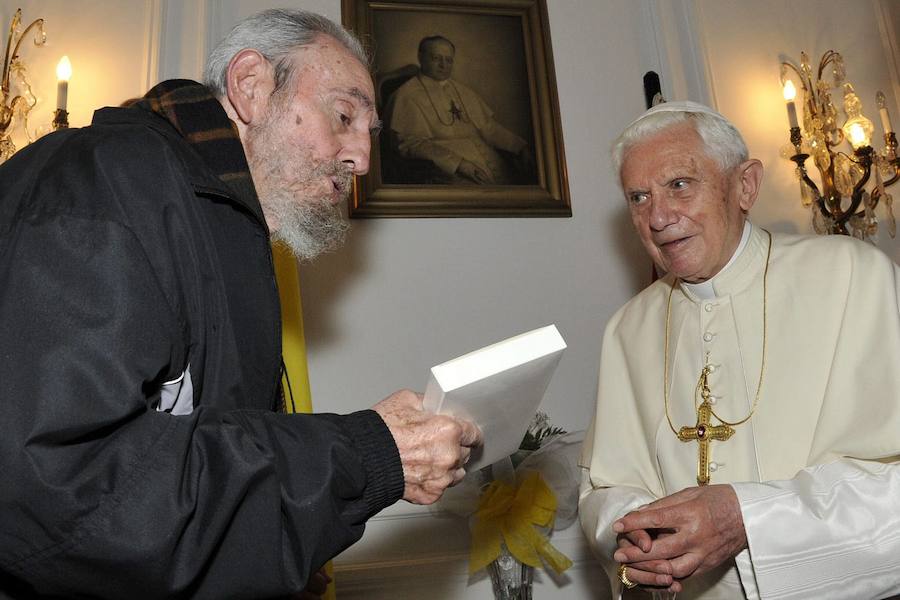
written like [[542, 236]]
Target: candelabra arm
[[890, 144], [11, 56], [896, 176], [865, 159], [800, 159]]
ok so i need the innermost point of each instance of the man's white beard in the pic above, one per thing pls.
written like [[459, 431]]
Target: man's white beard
[[288, 182], [308, 228]]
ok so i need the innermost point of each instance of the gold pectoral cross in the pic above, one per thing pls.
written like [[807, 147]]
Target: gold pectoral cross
[[704, 432]]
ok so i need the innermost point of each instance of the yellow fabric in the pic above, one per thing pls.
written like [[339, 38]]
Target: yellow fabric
[[293, 346], [509, 513]]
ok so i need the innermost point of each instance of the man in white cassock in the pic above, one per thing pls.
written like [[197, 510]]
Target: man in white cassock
[[747, 433], [437, 119]]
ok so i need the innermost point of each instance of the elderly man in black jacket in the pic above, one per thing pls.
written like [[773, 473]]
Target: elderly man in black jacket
[[142, 453]]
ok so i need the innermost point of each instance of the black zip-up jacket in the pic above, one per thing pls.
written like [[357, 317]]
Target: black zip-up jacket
[[130, 251]]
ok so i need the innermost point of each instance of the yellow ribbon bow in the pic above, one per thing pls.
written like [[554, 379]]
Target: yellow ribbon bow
[[509, 513]]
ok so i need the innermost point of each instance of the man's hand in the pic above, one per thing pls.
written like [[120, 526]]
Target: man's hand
[[470, 170], [433, 448], [650, 574], [315, 587], [694, 530]]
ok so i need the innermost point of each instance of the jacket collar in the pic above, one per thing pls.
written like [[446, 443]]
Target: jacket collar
[[200, 120]]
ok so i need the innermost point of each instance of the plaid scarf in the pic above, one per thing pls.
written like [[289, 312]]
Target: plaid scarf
[[200, 119]]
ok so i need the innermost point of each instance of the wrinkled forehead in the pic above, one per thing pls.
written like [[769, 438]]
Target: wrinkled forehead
[[329, 63], [674, 151], [676, 140]]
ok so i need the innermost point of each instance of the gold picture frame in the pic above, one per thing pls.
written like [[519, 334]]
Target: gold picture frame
[[501, 52]]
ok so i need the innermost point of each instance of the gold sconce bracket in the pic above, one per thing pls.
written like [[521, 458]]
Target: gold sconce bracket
[[18, 106], [841, 202]]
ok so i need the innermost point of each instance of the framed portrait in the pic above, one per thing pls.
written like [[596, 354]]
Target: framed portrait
[[467, 94]]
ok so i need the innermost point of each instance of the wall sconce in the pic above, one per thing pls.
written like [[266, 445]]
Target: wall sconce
[[20, 105], [843, 205]]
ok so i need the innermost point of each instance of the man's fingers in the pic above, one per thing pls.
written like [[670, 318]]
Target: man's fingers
[[458, 476], [315, 587], [640, 538], [685, 565], [647, 578], [660, 567], [471, 434], [647, 518], [664, 548]]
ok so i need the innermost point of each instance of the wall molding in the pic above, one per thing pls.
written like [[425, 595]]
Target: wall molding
[[891, 45], [682, 50], [155, 14]]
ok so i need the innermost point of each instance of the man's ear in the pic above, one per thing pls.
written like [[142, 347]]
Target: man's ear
[[751, 174], [249, 83]]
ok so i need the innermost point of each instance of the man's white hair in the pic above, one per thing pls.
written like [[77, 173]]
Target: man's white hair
[[276, 34], [723, 141]]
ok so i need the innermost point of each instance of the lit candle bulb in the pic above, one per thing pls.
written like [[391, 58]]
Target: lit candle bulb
[[883, 112], [858, 136], [790, 92], [63, 73]]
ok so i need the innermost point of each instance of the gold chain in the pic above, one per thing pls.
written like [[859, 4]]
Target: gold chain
[[762, 366]]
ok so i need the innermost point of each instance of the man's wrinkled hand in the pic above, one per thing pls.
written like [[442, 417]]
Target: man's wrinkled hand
[[651, 574], [315, 587], [470, 170], [433, 448], [704, 528]]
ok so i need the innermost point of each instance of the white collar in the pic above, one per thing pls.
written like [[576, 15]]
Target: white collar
[[705, 290]]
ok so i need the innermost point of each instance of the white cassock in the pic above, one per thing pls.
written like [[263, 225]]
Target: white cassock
[[445, 122], [817, 467]]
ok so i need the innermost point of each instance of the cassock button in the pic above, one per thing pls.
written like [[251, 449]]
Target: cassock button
[[707, 337]]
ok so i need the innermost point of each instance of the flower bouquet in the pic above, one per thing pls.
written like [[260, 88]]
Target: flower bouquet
[[514, 505]]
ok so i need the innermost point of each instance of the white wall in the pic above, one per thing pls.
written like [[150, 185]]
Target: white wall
[[405, 294]]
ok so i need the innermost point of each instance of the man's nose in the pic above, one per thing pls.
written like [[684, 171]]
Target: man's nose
[[662, 213], [355, 151]]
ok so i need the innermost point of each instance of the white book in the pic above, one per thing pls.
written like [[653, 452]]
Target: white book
[[499, 387]]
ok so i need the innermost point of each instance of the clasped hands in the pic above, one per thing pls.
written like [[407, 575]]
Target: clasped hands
[[684, 534]]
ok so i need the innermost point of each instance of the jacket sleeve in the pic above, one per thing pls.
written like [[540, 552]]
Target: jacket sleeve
[[102, 495]]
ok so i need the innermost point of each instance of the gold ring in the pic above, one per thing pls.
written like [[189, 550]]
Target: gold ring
[[624, 578]]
